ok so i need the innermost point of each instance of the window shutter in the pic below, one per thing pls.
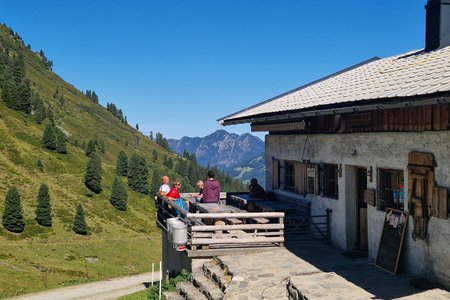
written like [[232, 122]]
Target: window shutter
[[300, 178], [275, 174]]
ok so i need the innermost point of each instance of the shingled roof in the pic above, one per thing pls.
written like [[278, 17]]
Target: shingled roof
[[410, 76]]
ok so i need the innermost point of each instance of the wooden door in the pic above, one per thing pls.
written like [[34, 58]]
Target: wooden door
[[361, 186]]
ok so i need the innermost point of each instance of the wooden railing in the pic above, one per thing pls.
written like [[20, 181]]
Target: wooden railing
[[242, 229], [224, 231]]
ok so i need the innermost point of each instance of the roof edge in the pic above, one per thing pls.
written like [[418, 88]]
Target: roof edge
[[367, 61]]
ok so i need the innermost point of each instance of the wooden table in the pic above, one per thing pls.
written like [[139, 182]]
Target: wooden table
[[213, 208]]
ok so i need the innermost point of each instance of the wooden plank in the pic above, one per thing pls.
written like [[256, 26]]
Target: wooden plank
[[385, 120], [443, 203], [436, 117], [235, 215], [231, 251], [268, 233], [444, 116], [428, 117], [429, 191], [261, 220], [236, 227], [421, 159], [299, 187], [206, 241], [233, 221], [435, 206]]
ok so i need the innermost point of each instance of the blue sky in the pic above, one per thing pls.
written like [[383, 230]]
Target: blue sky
[[177, 66]]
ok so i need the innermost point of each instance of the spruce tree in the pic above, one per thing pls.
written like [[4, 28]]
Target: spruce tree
[[60, 142], [154, 155], [49, 138], [40, 165], [44, 207], [39, 109], [119, 197], [156, 182], [93, 175], [90, 148], [79, 223], [122, 164], [12, 218], [138, 174]]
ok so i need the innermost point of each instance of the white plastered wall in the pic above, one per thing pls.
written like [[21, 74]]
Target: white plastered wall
[[379, 150]]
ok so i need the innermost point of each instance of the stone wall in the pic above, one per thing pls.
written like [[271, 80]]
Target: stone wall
[[379, 150]]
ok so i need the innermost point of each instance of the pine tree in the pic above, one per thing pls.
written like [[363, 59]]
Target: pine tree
[[49, 138], [12, 218], [44, 207], [79, 223], [93, 175], [39, 109], [60, 142], [90, 148], [119, 197], [138, 174], [156, 182], [154, 155], [122, 164], [40, 165]]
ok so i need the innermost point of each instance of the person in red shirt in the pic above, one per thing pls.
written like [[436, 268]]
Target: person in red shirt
[[174, 193]]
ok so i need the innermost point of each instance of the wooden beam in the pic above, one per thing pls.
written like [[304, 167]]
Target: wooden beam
[[237, 227], [205, 241], [235, 215]]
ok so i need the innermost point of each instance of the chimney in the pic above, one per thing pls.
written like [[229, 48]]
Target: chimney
[[437, 24]]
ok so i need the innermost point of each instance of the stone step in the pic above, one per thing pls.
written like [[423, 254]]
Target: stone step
[[172, 296], [209, 288], [189, 291], [214, 272]]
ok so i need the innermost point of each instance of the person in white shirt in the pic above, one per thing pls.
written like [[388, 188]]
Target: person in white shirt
[[165, 187]]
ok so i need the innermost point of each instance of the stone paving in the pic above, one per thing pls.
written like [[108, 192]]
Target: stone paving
[[318, 272]]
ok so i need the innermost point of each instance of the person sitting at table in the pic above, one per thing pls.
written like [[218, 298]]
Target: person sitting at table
[[199, 195], [174, 195], [211, 189], [256, 190], [165, 187]]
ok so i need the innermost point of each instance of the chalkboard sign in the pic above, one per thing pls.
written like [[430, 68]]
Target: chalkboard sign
[[391, 240]]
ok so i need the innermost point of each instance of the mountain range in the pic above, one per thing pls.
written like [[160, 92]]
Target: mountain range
[[241, 156]]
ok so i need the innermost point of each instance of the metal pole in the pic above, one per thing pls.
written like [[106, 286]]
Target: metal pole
[[160, 278], [153, 271]]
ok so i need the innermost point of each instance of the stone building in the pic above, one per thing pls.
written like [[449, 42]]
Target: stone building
[[371, 137]]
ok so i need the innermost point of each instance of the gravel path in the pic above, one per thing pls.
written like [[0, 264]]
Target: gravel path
[[101, 290]]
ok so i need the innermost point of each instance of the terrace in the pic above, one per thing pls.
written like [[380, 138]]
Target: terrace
[[242, 223]]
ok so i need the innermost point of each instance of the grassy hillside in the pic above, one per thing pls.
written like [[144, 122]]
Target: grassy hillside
[[118, 243]]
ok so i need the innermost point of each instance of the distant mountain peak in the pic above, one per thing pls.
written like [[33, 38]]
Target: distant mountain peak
[[220, 148]]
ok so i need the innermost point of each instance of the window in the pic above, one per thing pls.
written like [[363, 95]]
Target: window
[[390, 189], [312, 179], [330, 181], [289, 175]]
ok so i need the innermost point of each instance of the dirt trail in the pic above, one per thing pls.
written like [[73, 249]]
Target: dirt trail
[[101, 290]]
